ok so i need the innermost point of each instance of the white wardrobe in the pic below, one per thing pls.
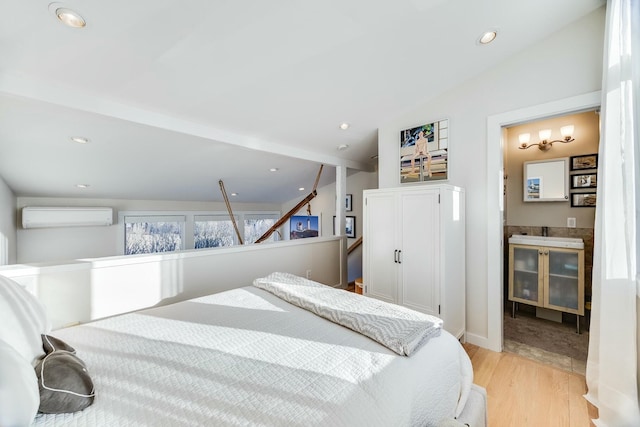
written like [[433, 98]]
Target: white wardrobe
[[414, 250]]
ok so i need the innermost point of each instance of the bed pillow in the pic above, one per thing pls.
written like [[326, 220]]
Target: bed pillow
[[64, 383], [50, 344], [19, 398], [23, 320]]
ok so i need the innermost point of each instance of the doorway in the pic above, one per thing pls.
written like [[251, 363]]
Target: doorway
[[545, 319], [495, 201]]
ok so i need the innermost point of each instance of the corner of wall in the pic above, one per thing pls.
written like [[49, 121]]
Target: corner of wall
[[8, 224]]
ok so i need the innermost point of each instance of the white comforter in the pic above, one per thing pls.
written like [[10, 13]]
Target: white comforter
[[245, 357]]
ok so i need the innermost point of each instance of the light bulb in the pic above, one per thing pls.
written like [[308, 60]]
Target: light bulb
[[544, 134], [567, 131], [70, 18], [488, 37]]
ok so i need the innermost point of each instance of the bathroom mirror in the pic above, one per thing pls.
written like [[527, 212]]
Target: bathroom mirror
[[546, 180]]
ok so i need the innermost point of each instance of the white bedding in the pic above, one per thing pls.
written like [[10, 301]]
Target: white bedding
[[398, 328], [245, 357]]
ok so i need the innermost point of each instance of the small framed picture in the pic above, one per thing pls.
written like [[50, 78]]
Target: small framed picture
[[583, 200], [348, 201], [587, 161], [584, 181], [350, 226], [303, 226]]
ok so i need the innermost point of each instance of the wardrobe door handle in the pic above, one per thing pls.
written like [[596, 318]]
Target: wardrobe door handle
[[399, 257], [395, 256]]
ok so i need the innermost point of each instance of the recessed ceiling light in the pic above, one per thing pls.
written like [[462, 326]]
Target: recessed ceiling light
[[344, 126], [301, 189], [273, 170], [80, 139], [488, 37], [70, 18], [234, 194], [82, 185], [342, 147]]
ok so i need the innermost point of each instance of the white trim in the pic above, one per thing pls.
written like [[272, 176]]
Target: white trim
[[495, 166], [476, 339]]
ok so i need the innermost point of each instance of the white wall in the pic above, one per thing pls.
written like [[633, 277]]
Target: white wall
[[67, 243], [567, 64], [7, 225], [324, 205], [80, 291]]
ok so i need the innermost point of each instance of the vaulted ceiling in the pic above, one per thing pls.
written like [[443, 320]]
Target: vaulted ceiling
[[176, 95]]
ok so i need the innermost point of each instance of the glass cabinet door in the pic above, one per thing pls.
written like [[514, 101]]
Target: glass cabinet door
[[564, 290], [526, 275]]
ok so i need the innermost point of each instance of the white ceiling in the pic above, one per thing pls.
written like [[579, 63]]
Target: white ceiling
[[176, 95]]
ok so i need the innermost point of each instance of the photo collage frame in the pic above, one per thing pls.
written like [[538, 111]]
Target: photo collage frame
[[583, 180]]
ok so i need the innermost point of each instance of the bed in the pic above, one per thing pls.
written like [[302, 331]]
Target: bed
[[248, 357]]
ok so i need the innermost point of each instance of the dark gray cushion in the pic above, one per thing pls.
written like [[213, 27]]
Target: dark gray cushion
[[64, 383], [50, 344]]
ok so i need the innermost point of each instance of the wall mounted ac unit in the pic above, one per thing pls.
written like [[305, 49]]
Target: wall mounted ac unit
[[37, 217]]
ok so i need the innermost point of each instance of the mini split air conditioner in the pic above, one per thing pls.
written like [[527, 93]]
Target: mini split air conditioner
[[38, 217]]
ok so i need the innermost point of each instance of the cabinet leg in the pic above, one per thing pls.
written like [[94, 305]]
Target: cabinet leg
[[578, 324], [513, 309]]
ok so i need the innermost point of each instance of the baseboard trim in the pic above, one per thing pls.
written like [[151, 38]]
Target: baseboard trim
[[480, 341]]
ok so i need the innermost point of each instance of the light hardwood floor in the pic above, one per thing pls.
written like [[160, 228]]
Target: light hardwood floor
[[522, 392]]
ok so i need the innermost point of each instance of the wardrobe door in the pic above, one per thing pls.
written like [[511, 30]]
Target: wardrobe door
[[419, 284], [380, 246]]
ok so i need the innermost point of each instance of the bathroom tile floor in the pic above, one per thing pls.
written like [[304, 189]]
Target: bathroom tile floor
[[548, 342], [556, 360]]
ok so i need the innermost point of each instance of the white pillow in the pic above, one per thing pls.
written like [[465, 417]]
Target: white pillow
[[19, 393], [23, 320]]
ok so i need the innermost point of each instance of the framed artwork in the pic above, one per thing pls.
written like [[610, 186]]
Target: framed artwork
[[302, 226], [533, 188], [583, 200], [587, 161], [424, 152], [348, 201], [350, 226], [588, 180]]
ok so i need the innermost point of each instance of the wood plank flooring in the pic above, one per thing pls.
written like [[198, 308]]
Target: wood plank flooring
[[522, 392]]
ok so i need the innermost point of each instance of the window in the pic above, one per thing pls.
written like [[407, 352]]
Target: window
[[212, 231], [255, 225], [151, 234]]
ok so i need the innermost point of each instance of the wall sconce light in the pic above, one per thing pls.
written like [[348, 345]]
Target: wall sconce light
[[545, 134]]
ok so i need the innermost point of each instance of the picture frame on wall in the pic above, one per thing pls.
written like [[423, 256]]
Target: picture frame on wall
[[583, 200], [303, 226], [348, 201], [350, 226], [586, 161], [532, 190], [588, 180], [424, 152]]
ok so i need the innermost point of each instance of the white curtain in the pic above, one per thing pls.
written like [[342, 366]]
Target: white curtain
[[612, 364]]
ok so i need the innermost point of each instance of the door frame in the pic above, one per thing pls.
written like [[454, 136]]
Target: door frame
[[495, 198]]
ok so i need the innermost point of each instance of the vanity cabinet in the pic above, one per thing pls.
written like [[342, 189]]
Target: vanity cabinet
[[414, 250], [547, 276]]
